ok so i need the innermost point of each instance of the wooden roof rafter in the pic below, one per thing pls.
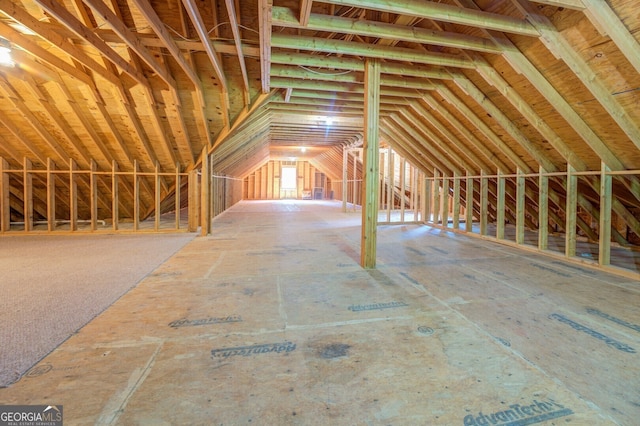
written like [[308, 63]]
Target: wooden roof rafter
[[74, 25]]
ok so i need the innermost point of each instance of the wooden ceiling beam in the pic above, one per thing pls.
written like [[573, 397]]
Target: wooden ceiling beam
[[310, 75], [504, 122], [16, 100], [15, 131], [305, 11], [237, 38], [602, 16], [484, 129], [445, 13], [264, 17], [167, 41], [425, 116], [569, 4], [197, 21], [352, 64], [74, 25], [41, 54], [285, 17], [48, 33], [469, 135], [115, 23], [284, 83], [558, 45], [410, 118], [339, 47], [56, 118]]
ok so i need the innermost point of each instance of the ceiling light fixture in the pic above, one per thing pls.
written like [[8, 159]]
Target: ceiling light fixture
[[5, 53]]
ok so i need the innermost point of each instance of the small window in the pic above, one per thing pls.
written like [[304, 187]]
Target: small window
[[289, 178]]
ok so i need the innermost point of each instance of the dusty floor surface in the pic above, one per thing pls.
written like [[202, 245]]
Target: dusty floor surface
[[271, 321]]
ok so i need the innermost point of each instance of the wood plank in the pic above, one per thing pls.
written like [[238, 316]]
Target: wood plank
[[468, 226], [500, 206], [484, 204], [571, 211], [51, 195], [115, 196], [604, 246], [27, 194], [370, 179], [5, 197], [520, 206]]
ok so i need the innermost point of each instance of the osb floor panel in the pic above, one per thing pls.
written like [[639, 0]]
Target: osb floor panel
[[271, 321]]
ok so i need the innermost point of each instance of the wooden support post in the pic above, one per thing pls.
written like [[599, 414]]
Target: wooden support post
[[136, 197], [270, 180], [93, 195], [345, 177], [157, 195], [604, 248], [484, 203], [436, 196], [456, 201], [520, 206], [543, 210], [27, 179], [444, 203], [5, 198], [500, 206], [205, 194], [51, 195], [115, 205], [468, 225], [355, 182], [571, 212], [177, 196], [73, 196], [390, 183], [371, 163], [192, 225], [403, 184], [426, 199]]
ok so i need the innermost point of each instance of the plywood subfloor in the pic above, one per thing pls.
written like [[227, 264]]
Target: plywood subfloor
[[271, 321]]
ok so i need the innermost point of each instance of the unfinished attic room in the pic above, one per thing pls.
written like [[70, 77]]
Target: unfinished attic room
[[305, 212]]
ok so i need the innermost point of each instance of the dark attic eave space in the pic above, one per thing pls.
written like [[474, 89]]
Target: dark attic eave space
[[467, 86]]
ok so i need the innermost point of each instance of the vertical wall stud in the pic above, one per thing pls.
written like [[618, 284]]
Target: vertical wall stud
[[500, 206], [606, 184], [28, 195], [444, 203], [136, 196], [51, 195], [543, 210], [468, 224], [345, 176], [157, 195], [93, 195], [426, 200], [178, 201], [484, 203], [192, 225], [73, 195], [115, 205], [520, 206], [436, 196], [571, 212], [456, 201], [5, 199]]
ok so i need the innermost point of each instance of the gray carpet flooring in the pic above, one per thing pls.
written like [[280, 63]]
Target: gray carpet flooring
[[50, 286]]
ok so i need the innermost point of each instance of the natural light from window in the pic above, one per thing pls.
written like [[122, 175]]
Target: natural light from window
[[288, 178]]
